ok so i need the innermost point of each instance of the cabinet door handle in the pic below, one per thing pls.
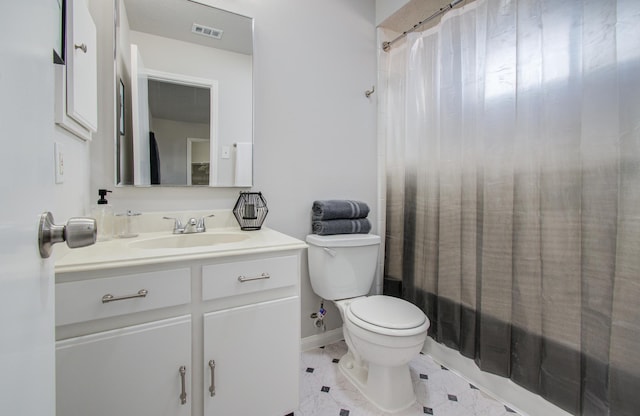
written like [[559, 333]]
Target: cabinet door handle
[[142, 293], [212, 387], [183, 394], [82, 47], [243, 279]]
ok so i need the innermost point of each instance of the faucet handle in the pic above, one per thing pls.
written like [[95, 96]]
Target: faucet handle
[[201, 224], [177, 225]]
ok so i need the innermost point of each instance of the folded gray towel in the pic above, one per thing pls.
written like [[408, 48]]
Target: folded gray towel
[[330, 227], [338, 209]]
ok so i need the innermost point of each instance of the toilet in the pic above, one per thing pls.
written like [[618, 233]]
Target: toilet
[[382, 333]]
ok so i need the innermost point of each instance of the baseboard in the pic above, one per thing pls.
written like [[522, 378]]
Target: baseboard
[[319, 340], [517, 398]]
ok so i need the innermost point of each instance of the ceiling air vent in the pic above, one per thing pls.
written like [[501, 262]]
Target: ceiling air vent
[[206, 31]]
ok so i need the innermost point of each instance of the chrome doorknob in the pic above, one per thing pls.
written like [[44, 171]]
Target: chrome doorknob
[[77, 232]]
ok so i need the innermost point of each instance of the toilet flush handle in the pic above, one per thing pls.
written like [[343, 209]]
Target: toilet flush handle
[[332, 253]]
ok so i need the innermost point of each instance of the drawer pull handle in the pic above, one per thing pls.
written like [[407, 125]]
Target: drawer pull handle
[[212, 387], [243, 279], [142, 293], [183, 394]]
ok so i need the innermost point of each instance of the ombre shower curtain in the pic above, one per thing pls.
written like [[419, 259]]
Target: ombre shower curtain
[[513, 192]]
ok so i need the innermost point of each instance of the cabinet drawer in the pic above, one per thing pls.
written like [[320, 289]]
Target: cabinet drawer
[[237, 278], [83, 300]]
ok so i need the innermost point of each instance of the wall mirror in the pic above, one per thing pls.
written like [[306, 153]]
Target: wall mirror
[[185, 95]]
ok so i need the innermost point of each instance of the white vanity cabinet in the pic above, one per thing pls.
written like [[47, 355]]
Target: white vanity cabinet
[[232, 322]]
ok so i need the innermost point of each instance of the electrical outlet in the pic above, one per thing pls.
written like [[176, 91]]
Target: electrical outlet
[[59, 162], [225, 152]]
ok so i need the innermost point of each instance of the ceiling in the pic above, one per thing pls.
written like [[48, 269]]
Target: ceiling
[[416, 11], [175, 18]]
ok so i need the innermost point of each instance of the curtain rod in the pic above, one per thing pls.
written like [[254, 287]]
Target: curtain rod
[[386, 46]]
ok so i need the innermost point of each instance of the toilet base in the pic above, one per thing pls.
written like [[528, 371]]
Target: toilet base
[[388, 388]]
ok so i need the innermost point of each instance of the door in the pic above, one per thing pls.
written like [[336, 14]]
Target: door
[[128, 371], [28, 30], [255, 351]]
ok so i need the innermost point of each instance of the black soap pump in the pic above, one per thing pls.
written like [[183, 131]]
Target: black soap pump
[[103, 213]]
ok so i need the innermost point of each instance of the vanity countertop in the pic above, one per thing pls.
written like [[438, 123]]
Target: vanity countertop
[[148, 248]]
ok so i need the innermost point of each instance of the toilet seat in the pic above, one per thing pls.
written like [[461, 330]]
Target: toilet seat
[[387, 315]]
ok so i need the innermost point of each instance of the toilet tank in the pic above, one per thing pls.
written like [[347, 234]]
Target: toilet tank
[[342, 266]]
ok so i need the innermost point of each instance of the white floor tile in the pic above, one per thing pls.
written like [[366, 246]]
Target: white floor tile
[[324, 391]]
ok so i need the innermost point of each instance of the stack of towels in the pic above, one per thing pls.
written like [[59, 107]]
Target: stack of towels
[[340, 217]]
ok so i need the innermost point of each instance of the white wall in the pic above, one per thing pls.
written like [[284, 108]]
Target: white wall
[[72, 196], [385, 8], [314, 130]]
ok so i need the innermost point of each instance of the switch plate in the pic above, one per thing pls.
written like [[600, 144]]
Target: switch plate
[[225, 152], [59, 161]]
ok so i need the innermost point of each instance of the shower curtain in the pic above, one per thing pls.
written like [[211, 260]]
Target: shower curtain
[[513, 192]]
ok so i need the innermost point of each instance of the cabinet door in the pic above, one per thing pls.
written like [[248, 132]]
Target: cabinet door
[[82, 68], [256, 350], [128, 371]]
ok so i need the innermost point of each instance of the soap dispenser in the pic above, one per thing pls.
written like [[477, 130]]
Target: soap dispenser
[[103, 213]]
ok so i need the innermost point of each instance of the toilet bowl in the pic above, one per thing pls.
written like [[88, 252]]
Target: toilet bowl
[[382, 333]]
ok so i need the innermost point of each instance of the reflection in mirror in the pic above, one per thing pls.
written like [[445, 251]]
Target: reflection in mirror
[[169, 109], [198, 161], [186, 69], [178, 111]]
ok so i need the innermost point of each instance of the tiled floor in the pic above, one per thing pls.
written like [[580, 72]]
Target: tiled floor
[[324, 391]]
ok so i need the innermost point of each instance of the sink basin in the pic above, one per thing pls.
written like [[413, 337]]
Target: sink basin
[[189, 240]]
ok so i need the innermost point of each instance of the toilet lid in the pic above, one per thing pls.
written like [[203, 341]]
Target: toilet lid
[[387, 312]]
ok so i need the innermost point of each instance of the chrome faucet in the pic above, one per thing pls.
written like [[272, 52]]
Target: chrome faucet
[[192, 225]]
